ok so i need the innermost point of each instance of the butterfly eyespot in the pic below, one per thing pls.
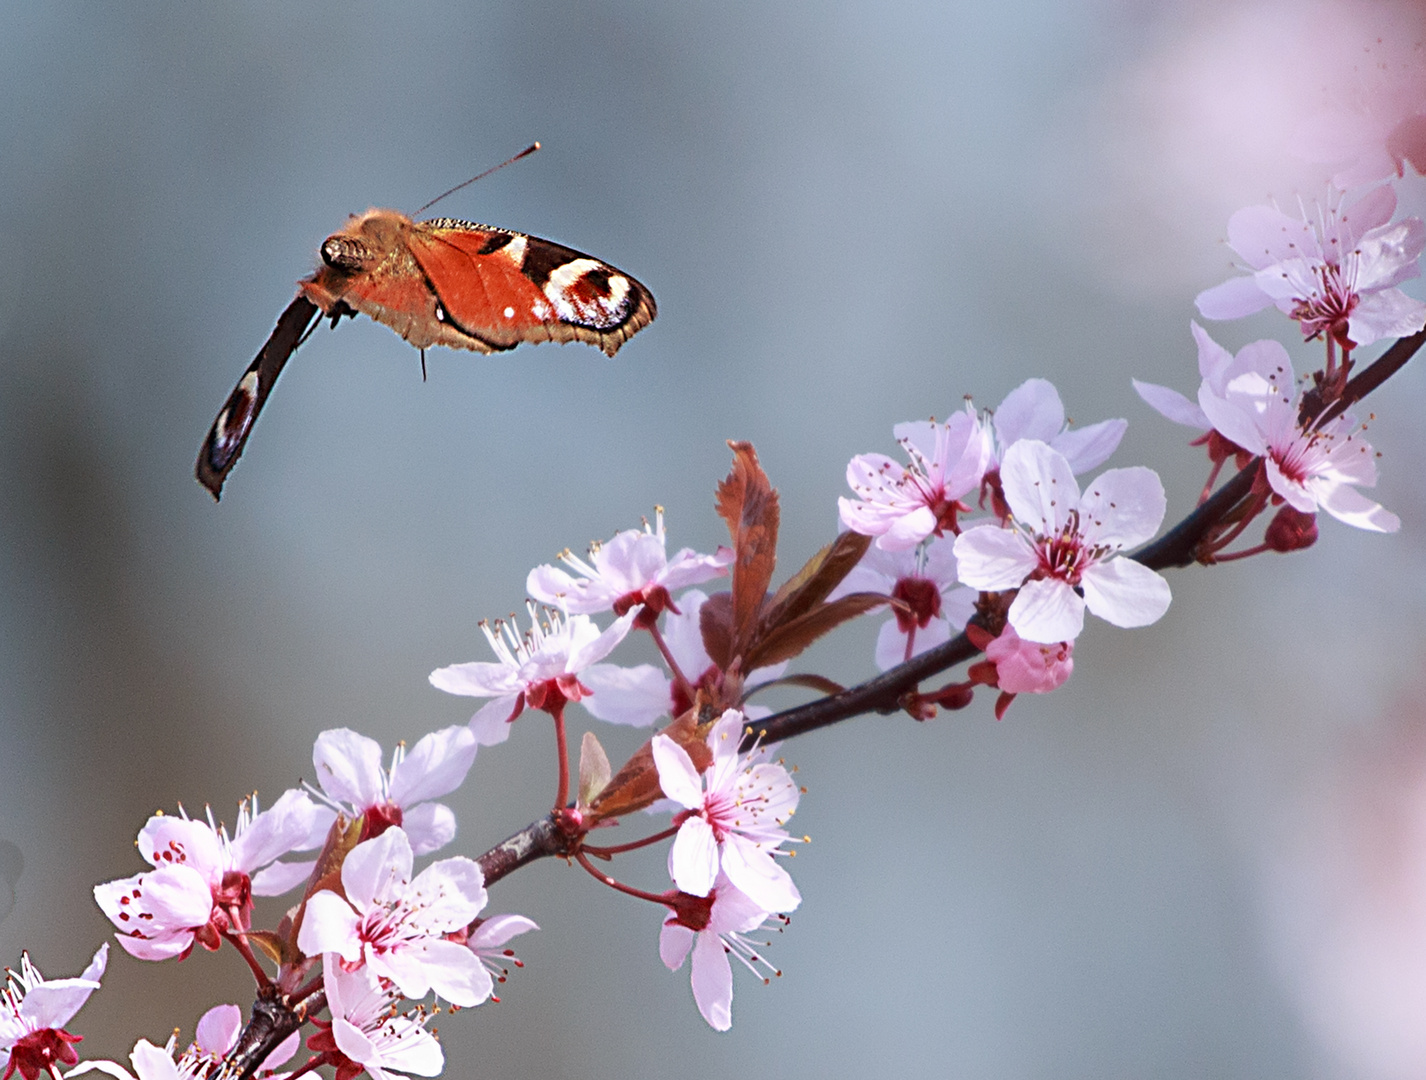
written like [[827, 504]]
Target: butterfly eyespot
[[440, 312], [509, 313]]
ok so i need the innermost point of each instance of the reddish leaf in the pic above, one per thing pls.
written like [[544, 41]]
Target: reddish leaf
[[748, 503], [793, 636], [636, 784], [715, 623], [815, 581]]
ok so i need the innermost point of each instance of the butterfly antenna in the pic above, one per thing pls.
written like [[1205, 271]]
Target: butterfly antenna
[[509, 161]]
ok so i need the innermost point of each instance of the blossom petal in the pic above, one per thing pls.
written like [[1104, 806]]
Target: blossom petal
[[429, 826], [713, 982], [1233, 299], [891, 642], [1173, 405], [436, 765], [757, 875], [675, 940], [329, 925], [693, 858], [1125, 593], [1032, 410], [1122, 507], [376, 872], [348, 766], [1039, 486], [1389, 313], [1047, 611], [491, 723], [1089, 447], [992, 558], [1350, 506], [636, 696], [280, 877], [477, 679], [678, 777]]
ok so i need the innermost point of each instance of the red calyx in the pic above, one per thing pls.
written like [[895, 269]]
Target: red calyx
[[378, 819], [40, 1051], [922, 599], [690, 911]]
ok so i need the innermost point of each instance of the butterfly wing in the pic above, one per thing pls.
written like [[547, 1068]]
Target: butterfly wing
[[502, 288], [230, 430]]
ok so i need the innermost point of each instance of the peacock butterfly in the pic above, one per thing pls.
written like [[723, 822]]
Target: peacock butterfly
[[438, 282]]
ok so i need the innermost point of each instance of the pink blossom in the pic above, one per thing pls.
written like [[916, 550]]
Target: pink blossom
[[202, 883], [1336, 276], [1028, 667], [1374, 121], [1062, 543], [367, 1032], [639, 695], [923, 579], [33, 1014], [736, 823], [1312, 468], [541, 670], [1216, 366], [901, 505], [397, 925], [350, 772], [715, 927], [632, 568]]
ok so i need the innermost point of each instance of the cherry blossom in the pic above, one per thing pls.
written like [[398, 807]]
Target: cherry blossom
[[1337, 276], [350, 772], [715, 927], [34, 1011], [152, 1063], [1063, 543], [1316, 467], [736, 823], [397, 925], [640, 695], [367, 1032], [541, 670], [923, 579], [632, 568], [901, 505], [202, 883], [1374, 120], [1016, 666]]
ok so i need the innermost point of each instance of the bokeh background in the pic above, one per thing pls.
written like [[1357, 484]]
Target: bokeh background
[[1205, 856]]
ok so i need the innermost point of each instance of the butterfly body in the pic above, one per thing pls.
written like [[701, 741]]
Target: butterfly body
[[439, 282]]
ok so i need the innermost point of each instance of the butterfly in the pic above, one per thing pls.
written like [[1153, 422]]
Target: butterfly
[[438, 282]]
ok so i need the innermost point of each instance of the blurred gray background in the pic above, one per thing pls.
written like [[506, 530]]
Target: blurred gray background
[[1203, 857]]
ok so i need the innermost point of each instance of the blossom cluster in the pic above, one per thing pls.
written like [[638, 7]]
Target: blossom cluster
[[984, 535]]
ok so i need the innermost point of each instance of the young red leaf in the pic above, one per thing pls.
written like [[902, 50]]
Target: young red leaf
[[748, 503]]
